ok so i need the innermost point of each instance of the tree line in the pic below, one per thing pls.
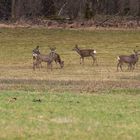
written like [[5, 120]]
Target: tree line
[[73, 9]]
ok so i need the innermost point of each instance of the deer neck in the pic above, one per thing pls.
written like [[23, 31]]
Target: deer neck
[[78, 51], [136, 55]]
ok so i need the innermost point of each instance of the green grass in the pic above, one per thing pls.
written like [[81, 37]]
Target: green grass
[[109, 115]]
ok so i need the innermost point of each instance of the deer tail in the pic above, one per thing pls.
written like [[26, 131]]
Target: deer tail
[[118, 58], [94, 52]]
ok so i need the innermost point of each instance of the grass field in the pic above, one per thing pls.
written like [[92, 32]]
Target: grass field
[[16, 58], [77, 102], [105, 115]]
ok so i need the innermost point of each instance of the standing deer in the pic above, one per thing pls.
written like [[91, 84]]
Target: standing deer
[[39, 58], [35, 52], [131, 60], [85, 53]]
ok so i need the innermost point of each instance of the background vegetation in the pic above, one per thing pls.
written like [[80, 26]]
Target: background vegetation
[[72, 9]]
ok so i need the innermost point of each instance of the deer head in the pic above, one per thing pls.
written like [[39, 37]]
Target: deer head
[[52, 49], [136, 52], [75, 48], [37, 47]]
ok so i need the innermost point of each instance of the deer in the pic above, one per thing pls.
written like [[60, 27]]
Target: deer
[[39, 58], [35, 52], [131, 60], [52, 56], [56, 57], [85, 53]]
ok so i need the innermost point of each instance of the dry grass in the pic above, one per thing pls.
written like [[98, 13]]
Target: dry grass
[[16, 59]]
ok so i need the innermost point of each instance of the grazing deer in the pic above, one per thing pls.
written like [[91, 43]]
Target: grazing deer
[[85, 53], [39, 58], [56, 57], [131, 60]]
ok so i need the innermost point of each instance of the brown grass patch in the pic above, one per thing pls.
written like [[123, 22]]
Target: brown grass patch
[[68, 85]]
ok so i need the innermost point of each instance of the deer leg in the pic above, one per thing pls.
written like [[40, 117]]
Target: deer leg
[[130, 67], [34, 65], [56, 62], [121, 67], [118, 65], [80, 60], [49, 66], [83, 60], [41, 65], [38, 64], [134, 65], [94, 60], [60, 63]]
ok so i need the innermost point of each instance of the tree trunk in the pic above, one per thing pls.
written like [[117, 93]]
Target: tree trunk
[[13, 10]]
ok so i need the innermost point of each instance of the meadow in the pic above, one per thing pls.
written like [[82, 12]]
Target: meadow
[[76, 102]]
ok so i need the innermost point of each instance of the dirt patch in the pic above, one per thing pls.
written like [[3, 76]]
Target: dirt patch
[[63, 86]]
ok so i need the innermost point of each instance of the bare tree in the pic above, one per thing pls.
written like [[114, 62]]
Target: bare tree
[[67, 8], [13, 9]]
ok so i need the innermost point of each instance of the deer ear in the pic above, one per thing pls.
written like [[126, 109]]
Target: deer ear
[[136, 52], [50, 48], [54, 48]]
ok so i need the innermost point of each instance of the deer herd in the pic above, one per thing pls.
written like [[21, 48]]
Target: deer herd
[[131, 60]]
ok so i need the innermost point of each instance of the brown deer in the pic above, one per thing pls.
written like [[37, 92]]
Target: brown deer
[[39, 58], [35, 52], [131, 60], [56, 57], [85, 53]]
